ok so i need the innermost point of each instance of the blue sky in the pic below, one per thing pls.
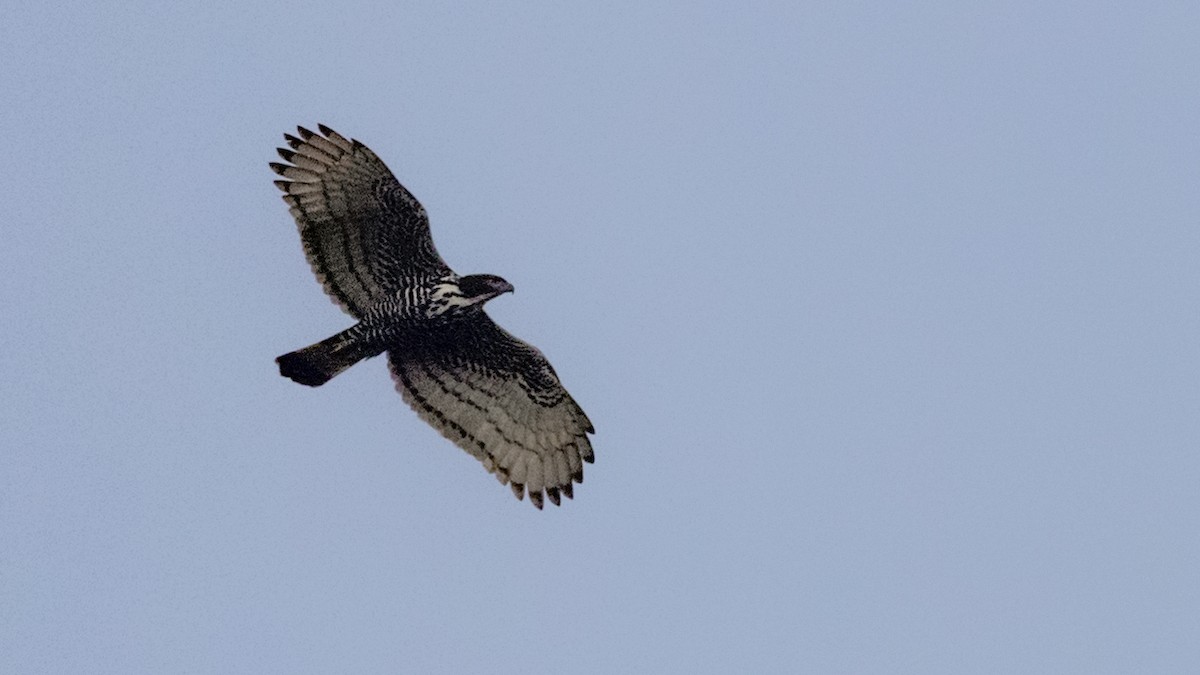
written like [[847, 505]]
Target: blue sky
[[885, 315]]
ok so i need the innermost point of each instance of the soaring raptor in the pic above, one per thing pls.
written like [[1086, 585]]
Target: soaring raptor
[[367, 240]]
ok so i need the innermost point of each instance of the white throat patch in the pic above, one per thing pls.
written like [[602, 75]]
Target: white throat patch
[[447, 297]]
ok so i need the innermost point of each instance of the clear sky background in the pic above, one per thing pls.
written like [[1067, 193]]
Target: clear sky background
[[886, 315]]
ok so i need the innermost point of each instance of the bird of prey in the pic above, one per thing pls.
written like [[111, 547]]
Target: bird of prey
[[368, 242]]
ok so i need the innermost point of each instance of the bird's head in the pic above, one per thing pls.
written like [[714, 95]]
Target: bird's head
[[479, 288], [467, 293]]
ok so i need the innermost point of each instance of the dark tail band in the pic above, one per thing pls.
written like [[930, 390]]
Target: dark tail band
[[317, 364]]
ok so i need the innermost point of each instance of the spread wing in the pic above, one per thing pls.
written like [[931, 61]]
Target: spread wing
[[364, 234], [497, 398]]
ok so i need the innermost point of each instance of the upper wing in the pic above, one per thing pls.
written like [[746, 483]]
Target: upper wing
[[363, 233], [497, 398]]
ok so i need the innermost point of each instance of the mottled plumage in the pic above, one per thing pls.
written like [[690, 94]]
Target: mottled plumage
[[368, 242]]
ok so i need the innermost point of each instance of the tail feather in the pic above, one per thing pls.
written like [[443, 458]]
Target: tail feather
[[316, 364]]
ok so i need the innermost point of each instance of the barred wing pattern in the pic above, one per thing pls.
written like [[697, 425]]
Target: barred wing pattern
[[364, 234], [498, 398]]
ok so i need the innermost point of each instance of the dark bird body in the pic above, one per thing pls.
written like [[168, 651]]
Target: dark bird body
[[368, 242]]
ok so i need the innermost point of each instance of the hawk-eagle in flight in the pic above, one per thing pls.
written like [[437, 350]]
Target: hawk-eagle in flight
[[367, 240]]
